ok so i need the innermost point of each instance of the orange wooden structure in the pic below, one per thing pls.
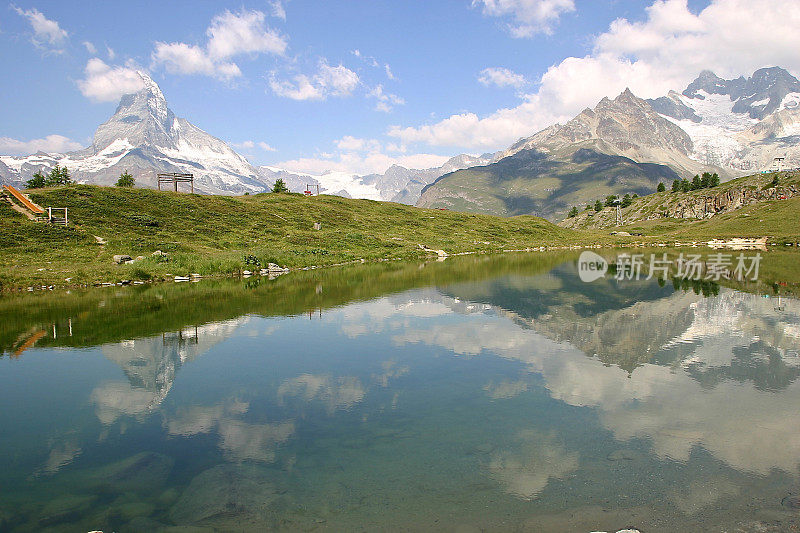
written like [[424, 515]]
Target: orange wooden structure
[[24, 200]]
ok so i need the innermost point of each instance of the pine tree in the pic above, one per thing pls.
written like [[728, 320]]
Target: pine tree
[[58, 176], [37, 181], [280, 186], [598, 206], [125, 180], [573, 212], [661, 187], [676, 185]]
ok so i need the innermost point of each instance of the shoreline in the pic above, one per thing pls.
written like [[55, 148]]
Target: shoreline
[[430, 256]]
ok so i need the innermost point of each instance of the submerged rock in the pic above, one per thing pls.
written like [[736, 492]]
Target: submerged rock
[[65, 509], [791, 501], [144, 471], [225, 496]]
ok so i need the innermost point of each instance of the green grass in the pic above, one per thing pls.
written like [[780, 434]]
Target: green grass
[[653, 204], [101, 316], [212, 235], [778, 220]]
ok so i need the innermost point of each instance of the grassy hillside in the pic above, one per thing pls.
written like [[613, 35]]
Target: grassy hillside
[[213, 234], [777, 220], [543, 184], [658, 206]]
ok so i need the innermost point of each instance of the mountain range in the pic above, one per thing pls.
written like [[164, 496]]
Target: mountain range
[[145, 138], [622, 145], [629, 145]]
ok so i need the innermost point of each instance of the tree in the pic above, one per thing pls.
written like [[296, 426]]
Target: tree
[[705, 180], [676, 185], [610, 200], [626, 200], [714, 180], [598, 206], [37, 181], [661, 187], [280, 186], [573, 212], [686, 186], [125, 180], [775, 181], [695, 183], [58, 176]]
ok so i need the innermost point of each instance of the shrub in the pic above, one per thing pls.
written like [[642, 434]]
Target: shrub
[[125, 180]]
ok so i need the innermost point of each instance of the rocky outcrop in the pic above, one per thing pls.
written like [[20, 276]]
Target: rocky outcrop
[[695, 205], [723, 202]]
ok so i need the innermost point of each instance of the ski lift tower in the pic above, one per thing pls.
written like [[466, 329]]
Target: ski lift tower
[[778, 164], [618, 206]]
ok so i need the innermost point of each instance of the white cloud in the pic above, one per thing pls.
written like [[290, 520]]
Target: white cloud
[[328, 81], [665, 51], [266, 147], [278, 9], [89, 47], [111, 53], [349, 142], [250, 145], [50, 144], [182, 58], [385, 100], [529, 17], [501, 77], [232, 34], [389, 74], [45, 31], [104, 83], [359, 161], [229, 35]]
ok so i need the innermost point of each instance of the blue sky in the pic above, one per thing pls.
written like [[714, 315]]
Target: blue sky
[[358, 85]]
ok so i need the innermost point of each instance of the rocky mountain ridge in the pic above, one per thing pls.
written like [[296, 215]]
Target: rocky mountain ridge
[[731, 127]]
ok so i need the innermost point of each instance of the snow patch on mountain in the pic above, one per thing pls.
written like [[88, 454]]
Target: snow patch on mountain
[[790, 101], [715, 136]]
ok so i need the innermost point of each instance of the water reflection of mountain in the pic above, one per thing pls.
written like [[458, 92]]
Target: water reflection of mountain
[[731, 335], [665, 404], [151, 364]]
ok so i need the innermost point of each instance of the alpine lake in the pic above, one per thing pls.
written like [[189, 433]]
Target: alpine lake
[[497, 393]]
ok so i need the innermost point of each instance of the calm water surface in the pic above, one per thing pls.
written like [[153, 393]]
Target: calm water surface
[[498, 394]]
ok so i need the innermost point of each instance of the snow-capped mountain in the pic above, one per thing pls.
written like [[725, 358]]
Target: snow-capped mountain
[[629, 145], [397, 184], [144, 137], [740, 124]]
